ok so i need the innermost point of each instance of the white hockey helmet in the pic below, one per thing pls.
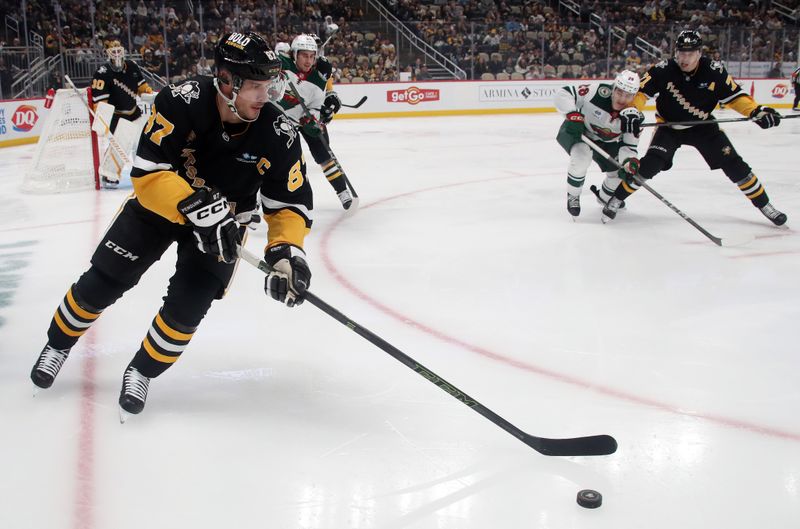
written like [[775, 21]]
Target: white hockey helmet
[[116, 54], [283, 48], [304, 42], [627, 81]]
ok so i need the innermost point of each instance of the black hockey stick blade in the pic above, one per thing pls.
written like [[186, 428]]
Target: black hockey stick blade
[[597, 445], [593, 445], [358, 104]]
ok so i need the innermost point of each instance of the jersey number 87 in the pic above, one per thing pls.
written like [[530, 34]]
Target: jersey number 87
[[166, 127]]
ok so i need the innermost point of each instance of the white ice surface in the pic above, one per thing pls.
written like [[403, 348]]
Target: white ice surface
[[464, 257]]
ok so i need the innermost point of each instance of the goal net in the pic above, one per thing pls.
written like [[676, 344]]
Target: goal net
[[66, 154]]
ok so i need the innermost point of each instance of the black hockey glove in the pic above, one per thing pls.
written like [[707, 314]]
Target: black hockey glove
[[215, 228], [290, 277], [765, 117], [574, 125], [630, 121], [311, 126], [331, 106]]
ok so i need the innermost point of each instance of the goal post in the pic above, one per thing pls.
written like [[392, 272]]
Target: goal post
[[66, 157]]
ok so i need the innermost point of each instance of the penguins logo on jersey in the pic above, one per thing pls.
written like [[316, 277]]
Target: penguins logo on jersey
[[188, 91], [283, 126]]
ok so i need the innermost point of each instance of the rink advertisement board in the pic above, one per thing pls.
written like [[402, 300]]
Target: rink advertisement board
[[21, 121], [441, 98]]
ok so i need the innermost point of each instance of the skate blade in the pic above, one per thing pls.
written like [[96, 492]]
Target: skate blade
[[123, 415], [349, 212], [36, 390]]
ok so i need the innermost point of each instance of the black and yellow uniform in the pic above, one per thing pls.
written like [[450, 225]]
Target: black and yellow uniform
[[120, 88], [692, 97], [185, 147]]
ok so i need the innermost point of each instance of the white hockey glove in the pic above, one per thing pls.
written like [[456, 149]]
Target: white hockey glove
[[630, 121], [215, 228], [148, 97], [290, 277], [250, 219]]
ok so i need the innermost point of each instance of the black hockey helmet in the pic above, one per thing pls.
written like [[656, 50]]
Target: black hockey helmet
[[246, 56], [688, 40]]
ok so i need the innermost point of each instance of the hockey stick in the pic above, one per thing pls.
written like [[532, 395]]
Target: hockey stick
[[308, 114], [334, 32], [727, 242], [595, 445], [709, 121], [360, 102], [111, 139]]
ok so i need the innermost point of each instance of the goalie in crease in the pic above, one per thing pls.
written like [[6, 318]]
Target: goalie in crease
[[115, 87]]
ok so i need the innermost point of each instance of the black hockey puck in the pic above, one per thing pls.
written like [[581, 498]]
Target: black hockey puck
[[590, 499]]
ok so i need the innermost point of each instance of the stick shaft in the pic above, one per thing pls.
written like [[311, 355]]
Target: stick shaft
[[592, 445], [708, 121], [641, 182]]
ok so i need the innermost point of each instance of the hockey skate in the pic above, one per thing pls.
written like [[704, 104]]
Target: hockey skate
[[574, 205], [47, 366], [610, 211], [603, 197], [108, 183], [133, 394], [777, 218], [346, 198]]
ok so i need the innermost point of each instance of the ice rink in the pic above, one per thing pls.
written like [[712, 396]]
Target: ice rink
[[463, 256]]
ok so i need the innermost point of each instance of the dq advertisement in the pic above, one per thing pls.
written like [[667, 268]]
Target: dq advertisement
[[21, 121]]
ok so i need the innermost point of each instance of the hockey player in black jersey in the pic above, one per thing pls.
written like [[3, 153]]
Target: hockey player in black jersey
[[118, 82], [213, 156], [689, 87]]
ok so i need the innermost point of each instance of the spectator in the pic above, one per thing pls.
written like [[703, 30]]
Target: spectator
[[423, 74]]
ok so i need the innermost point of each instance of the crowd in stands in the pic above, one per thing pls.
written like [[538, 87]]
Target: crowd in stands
[[520, 39], [534, 40]]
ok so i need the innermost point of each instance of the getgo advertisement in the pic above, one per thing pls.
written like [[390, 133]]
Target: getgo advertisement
[[21, 121]]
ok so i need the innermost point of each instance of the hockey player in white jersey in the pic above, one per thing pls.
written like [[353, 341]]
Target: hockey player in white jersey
[[595, 111], [311, 75]]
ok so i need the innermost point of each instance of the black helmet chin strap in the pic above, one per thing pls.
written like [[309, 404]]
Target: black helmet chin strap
[[231, 102]]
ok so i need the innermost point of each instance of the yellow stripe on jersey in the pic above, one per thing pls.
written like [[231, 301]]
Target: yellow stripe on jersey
[[286, 226], [160, 192], [144, 88], [155, 354], [169, 331], [77, 309], [744, 104], [748, 183], [640, 100], [64, 328]]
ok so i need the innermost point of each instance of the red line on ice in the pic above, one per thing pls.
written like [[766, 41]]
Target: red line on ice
[[561, 377]]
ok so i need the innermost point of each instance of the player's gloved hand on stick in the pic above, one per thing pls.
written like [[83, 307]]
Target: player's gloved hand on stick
[[215, 228], [575, 125], [311, 126], [630, 168], [630, 121], [331, 106], [765, 117], [290, 277]]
